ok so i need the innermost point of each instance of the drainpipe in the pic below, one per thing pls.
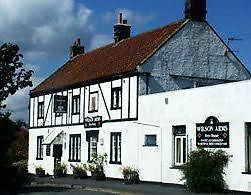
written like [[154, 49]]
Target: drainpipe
[[161, 130]]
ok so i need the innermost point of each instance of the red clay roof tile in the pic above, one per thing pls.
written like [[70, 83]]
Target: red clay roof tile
[[112, 59]]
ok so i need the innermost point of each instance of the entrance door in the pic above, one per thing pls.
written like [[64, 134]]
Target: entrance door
[[57, 153]]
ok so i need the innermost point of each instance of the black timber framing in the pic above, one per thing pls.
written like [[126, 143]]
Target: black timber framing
[[101, 91]]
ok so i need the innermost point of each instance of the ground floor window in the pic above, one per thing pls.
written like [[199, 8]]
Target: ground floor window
[[48, 150], [115, 148], [248, 147], [39, 147], [92, 139], [75, 148], [179, 145]]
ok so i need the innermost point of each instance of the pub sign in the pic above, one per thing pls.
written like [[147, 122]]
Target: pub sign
[[60, 104], [93, 122], [212, 133]]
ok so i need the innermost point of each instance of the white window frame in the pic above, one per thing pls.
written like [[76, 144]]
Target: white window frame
[[116, 98], [75, 147], [76, 104], [40, 110], [248, 146], [39, 148], [115, 148], [179, 145], [93, 102]]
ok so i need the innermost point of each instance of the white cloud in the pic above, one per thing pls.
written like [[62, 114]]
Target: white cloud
[[44, 28], [134, 18], [100, 40]]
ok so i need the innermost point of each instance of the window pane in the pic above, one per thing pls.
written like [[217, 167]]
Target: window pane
[[184, 150], [119, 148], [150, 140], [178, 150]]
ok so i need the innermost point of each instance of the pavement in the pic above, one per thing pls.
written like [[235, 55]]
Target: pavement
[[69, 185]]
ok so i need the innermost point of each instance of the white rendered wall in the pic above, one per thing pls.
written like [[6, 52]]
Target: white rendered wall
[[228, 102]]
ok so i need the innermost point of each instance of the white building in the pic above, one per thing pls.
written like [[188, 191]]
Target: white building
[[136, 100]]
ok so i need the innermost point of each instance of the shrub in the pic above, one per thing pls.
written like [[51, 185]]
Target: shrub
[[204, 170], [131, 175], [96, 166], [22, 176], [80, 171], [60, 170], [40, 172]]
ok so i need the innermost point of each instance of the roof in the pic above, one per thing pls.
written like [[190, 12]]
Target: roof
[[113, 59]]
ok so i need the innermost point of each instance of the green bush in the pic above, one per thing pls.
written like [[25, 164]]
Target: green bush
[[131, 175], [96, 166], [80, 171], [60, 170], [40, 171], [204, 170]]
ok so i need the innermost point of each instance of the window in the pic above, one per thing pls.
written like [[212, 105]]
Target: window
[[116, 98], [39, 148], [75, 148], [93, 102], [150, 140], [48, 150], [180, 144], [248, 147], [40, 112], [115, 148], [76, 104], [92, 138]]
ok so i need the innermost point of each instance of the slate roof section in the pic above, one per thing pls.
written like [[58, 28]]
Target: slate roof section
[[113, 59]]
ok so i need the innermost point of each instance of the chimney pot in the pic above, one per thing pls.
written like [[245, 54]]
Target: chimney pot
[[121, 30], [120, 18], [76, 48], [195, 10]]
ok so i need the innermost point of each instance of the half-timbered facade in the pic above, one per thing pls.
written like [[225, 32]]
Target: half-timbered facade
[[122, 100]]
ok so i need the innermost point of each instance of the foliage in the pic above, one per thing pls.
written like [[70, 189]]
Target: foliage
[[204, 170], [60, 170], [19, 148], [131, 175], [79, 171], [13, 75], [40, 171], [96, 166], [22, 176]]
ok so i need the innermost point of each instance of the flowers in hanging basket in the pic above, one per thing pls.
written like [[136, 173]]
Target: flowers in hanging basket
[[131, 175]]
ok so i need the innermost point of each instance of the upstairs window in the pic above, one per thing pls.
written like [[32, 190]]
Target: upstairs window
[[180, 145], [116, 99], [93, 102], [39, 148], [40, 110], [76, 104]]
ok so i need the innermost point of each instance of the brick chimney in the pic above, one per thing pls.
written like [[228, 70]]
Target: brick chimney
[[196, 10], [76, 48], [121, 30]]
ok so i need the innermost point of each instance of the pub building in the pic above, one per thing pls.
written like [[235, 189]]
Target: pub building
[[146, 101]]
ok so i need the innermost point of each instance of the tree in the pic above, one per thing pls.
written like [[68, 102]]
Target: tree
[[13, 75]]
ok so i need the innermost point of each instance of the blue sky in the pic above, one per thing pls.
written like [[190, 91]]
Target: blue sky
[[45, 29]]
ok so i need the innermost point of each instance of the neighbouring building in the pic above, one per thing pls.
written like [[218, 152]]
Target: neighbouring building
[[146, 101]]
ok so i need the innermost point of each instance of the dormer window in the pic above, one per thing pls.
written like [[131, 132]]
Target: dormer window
[[116, 99], [93, 101]]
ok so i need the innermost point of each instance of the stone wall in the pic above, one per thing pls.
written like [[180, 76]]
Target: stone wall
[[193, 57]]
